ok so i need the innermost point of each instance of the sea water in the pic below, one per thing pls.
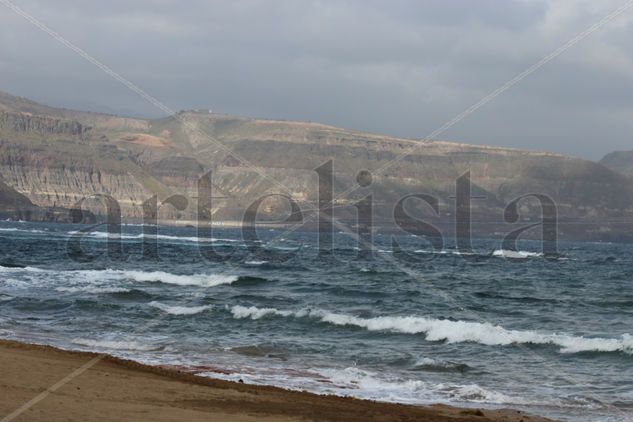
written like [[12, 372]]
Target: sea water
[[487, 328]]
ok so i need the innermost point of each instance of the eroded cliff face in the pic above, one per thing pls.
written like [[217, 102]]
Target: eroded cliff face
[[69, 187], [59, 163], [26, 123], [57, 157]]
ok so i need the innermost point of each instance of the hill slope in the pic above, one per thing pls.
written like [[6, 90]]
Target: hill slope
[[57, 157], [620, 161]]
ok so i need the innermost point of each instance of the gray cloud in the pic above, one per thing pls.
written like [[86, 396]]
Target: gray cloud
[[402, 67]]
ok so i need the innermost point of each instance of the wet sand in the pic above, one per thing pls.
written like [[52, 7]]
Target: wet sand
[[116, 389]]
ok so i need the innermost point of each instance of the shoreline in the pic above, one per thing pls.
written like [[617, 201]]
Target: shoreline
[[119, 389]]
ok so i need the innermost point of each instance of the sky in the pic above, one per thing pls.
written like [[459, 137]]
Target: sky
[[396, 67]]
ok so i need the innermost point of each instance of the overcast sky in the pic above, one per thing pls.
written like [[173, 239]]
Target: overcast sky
[[399, 67]]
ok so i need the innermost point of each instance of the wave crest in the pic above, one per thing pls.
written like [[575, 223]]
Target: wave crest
[[450, 331], [200, 280], [109, 275], [180, 310], [509, 254]]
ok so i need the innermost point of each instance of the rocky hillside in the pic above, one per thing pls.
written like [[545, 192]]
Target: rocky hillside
[[11, 200], [15, 206], [620, 161], [59, 157]]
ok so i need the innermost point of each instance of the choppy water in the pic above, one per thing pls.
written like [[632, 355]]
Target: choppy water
[[549, 336]]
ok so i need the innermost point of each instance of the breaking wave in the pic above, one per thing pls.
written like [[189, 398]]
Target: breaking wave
[[370, 385], [120, 236], [450, 331], [15, 268], [106, 235], [499, 253], [435, 365], [97, 276], [92, 289], [200, 280], [180, 310], [504, 253], [255, 263], [15, 229]]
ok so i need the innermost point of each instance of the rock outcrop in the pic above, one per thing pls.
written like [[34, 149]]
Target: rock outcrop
[[28, 124]]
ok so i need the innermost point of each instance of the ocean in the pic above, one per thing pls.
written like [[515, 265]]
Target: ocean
[[491, 328]]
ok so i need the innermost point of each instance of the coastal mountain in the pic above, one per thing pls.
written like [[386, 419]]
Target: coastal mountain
[[620, 161], [59, 158]]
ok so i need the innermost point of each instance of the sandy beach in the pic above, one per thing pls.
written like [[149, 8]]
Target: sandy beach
[[115, 389]]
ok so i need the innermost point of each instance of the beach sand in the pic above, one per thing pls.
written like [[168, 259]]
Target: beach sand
[[115, 389]]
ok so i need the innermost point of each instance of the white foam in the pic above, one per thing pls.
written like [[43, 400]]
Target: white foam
[[13, 229], [451, 331], [72, 278], [373, 386], [115, 345], [503, 253], [430, 362], [365, 384], [472, 393], [443, 252], [107, 235], [200, 280], [180, 310], [19, 269], [256, 263], [242, 312], [92, 289]]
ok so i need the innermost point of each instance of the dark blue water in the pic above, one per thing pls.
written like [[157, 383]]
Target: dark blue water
[[417, 326]]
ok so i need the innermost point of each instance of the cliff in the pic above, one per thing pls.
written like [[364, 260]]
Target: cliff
[[61, 157], [11, 200]]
